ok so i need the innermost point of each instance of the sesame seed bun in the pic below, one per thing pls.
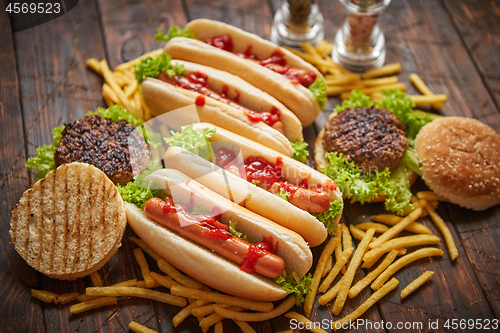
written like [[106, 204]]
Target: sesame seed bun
[[461, 161]]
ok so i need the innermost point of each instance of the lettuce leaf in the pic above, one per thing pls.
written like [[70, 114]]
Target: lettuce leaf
[[300, 152], [356, 100], [360, 186], [152, 67], [411, 161], [299, 287], [282, 194], [44, 155], [327, 217], [173, 31], [402, 106], [194, 141], [232, 230], [116, 113], [318, 88], [139, 191]]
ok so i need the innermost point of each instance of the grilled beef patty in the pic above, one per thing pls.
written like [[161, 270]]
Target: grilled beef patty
[[104, 144], [371, 138]]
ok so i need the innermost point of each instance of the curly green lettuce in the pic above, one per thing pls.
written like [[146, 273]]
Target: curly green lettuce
[[152, 67], [173, 31], [299, 287], [44, 155], [329, 216], [300, 152], [318, 89], [139, 190], [116, 113], [356, 100], [282, 194], [361, 186], [196, 142]]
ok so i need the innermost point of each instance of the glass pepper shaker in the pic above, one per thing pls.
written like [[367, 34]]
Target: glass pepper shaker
[[297, 22], [360, 41]]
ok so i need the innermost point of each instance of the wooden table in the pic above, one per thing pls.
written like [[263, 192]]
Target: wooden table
[[453, 45]]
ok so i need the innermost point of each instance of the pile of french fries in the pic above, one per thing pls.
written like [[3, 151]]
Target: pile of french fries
[[369, 252], [341, 82]]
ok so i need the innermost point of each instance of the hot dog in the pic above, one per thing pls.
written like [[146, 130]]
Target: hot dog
[[265, 65], [201, 246], [250, 175], [219, 97]]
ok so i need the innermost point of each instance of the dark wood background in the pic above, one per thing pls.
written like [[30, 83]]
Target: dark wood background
[[454, 45]]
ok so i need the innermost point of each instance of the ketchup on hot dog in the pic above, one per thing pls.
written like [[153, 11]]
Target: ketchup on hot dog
[[207, 230]]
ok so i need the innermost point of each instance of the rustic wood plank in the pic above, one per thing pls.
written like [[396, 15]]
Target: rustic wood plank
[[18, 310], [477, 22]]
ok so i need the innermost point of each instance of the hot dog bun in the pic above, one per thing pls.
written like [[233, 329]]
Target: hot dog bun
[[291, 247], [293, 170], [247, 195], [200, 263], [296, 97], [161, 97]]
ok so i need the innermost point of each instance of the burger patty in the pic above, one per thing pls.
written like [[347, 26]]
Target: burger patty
[[104, 144], [373, 139]]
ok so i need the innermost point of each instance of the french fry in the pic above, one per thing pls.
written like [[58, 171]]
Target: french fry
[[257, 316], [337, 90], [96, 279], [107, 92], [221, 298], [66, 298], [138, 328], [218, 327], [130, 89], [110, 79], [142, 284], [328, 267], [415, 284], [93, 64], [448, 238], [424, 90], [137, 292], [138, 104], [380, 81], [374, 298], [120, 79], [358, 233], [128, 283], [335, 270], [397, 228], [130, 75], [397, 243], [343, 79], [430, 196], [346, 238], [130, 64], [181, 315], [327, 251], [244, 326], [393, 220], [379, 228], [139, 242], [369, 264], [403, 261], [143, 264], [92, 304], [311, 326], [203, 311], [365, 282], [163, 280], [171, 271], [385, 70], [351, 271], [429, 100], [330, 294], [310, 58], [44, 295], [210, 321], [312, 51], [286, 331]]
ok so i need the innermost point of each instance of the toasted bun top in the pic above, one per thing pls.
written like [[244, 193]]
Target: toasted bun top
[[69, 224], [461, 161]]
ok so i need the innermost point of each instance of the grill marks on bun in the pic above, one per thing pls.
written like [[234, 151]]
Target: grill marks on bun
[[69, 224]]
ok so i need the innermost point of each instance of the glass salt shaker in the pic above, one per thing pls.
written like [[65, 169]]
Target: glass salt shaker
[[297, 22], [360, 42]]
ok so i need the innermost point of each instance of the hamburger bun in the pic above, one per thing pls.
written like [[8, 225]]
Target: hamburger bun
[[460, 160], [69, 224]]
